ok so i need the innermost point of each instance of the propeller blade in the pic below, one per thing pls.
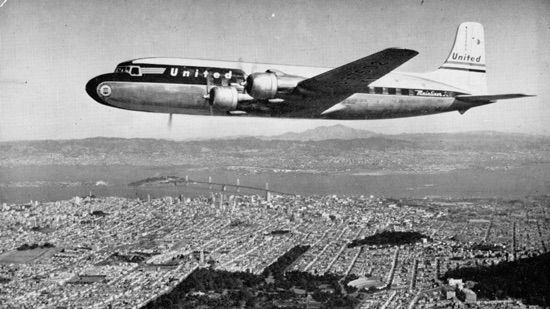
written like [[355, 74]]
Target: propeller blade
[[242, 86], [207, 95], [241, 67], [238, 86]]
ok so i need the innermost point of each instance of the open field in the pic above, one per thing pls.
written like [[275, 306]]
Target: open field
[[26, 256]]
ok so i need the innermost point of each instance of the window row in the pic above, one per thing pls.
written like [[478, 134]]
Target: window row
[[411, 92]]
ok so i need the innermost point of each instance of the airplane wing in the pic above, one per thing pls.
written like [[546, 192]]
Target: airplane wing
[[490, 97], [356, 76]]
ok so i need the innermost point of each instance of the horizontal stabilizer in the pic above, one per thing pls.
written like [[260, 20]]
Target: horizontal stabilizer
[[490, 97]]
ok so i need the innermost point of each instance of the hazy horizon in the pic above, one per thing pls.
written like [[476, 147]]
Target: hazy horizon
[[50, 49], [280, 134]]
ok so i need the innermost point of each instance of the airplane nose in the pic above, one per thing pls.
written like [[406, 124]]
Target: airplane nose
[[91, 89], [98, 89]]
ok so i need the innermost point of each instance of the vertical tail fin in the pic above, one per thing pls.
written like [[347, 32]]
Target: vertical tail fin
[[465, 65], [468, 52]]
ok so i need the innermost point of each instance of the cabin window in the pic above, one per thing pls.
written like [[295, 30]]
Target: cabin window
[[134, 71], [405, 91], [391, 91], [378, 90]]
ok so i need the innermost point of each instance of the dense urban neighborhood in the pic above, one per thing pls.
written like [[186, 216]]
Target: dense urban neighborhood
[[282, 251]]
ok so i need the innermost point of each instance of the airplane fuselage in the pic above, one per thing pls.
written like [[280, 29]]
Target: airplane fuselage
[[179, 86]]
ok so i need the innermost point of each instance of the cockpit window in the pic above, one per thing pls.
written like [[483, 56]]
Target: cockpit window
[[132, 70], [122, 69]]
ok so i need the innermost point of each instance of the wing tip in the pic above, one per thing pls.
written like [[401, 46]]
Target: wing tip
[[407, 50]]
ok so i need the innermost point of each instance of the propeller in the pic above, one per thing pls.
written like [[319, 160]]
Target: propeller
[[211, 109], [248, 69], [170, 121], [207, 95], [238, 86]]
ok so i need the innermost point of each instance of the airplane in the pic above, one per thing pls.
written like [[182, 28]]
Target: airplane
[[367, 88]]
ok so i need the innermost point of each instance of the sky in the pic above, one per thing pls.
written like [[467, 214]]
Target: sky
[[50, 49]]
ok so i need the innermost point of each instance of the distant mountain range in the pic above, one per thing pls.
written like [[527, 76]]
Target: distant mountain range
[[321, 133], [333, 148], [324, 133], [341, 132]]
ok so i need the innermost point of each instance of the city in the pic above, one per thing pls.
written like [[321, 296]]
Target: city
[[125, 253]]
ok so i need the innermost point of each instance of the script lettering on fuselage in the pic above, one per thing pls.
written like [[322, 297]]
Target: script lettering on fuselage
[[465, 57], [431, 93], [199, 72]]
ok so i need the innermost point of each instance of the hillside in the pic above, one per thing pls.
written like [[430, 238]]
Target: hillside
[[324, 133], [403, 153]]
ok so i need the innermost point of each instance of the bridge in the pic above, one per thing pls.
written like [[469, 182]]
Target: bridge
[[175, 180]]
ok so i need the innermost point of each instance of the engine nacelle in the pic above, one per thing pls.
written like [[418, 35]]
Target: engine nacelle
[[264, 86], [224, 98]]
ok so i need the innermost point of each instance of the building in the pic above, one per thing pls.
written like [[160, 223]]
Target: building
[[469, 296], [456, 283]]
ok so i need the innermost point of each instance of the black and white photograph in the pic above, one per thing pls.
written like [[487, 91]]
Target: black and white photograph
[[274, 154]]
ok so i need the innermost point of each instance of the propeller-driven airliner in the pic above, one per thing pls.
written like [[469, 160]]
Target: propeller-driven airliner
[[367, 88]]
